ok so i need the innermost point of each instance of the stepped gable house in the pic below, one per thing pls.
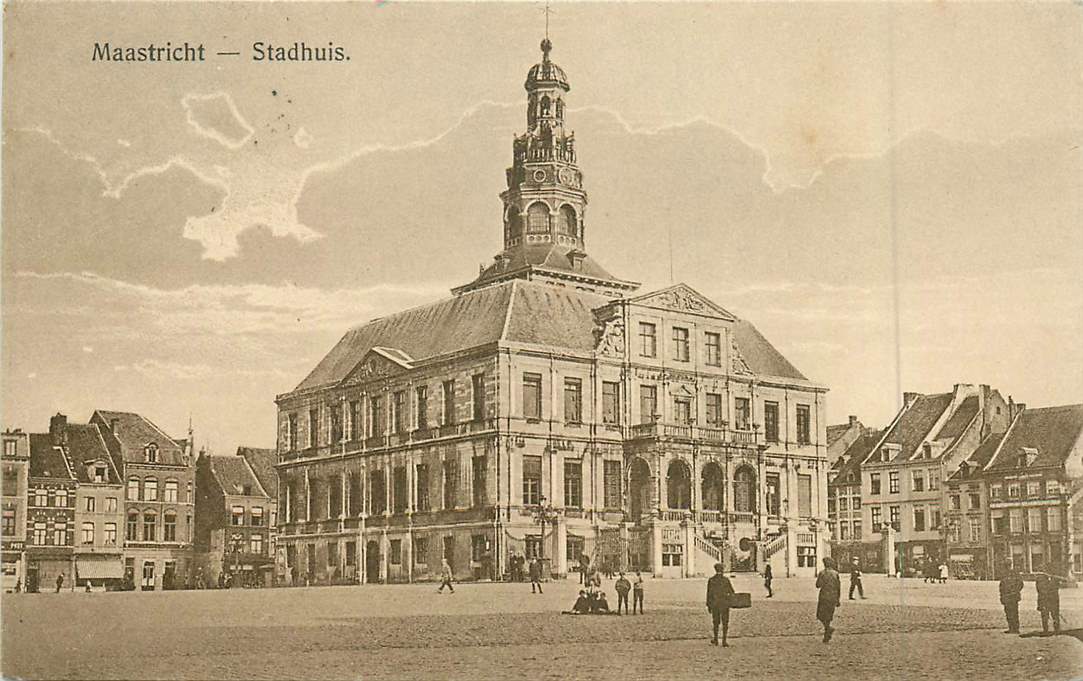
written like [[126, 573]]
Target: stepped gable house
[[654, 431]]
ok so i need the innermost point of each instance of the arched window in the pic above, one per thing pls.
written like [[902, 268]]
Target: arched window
[[712, 487], [678, 486], [515, 223], [545, 105], [150, 489], [150, 526], [639, 489], [560, 108], [744, 490], [566, 222], [151, 452], [537, 218]]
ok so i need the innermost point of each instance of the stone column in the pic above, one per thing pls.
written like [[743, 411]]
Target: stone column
[[385, 549], [656, 549], [560, 548], [888, 544], [689, 548]]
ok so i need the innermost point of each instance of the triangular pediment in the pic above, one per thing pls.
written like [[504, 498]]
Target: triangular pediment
[[683, 298], [379, 362]]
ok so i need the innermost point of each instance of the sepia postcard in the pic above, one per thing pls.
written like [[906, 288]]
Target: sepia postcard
[[615, 340]]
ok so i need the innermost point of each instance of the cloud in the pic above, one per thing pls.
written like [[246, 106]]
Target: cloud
[[216, 117]]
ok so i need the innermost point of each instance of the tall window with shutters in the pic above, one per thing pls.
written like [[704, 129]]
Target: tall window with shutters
[[804, 495], [532, 479]]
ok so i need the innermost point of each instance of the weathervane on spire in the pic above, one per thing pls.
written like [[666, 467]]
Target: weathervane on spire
[[546, 46]]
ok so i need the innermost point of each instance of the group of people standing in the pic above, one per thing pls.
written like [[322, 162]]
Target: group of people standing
[[592, 600], [1048, 589]]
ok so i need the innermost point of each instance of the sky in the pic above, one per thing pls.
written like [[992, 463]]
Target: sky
[[892, 193]]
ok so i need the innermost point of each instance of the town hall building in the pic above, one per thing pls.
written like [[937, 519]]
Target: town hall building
[[549, 409]]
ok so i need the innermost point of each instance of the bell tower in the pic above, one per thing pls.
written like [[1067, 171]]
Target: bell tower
[[545, 201]]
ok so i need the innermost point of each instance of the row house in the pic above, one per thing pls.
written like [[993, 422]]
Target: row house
[[158, 474], [15, 469], [849, 534], [545, 410], [50, 515], [235, 518], [840, 436], [1034, 485], [966, 513]]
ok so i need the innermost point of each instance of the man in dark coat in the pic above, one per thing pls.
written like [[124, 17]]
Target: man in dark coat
[[830, 592], [1048, 587], [718, 603], [535, 576], [855, 579], [1011, 589], [768, 577]]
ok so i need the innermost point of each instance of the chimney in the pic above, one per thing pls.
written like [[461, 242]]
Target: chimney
[[910, 398], [57, 425], [114, 425], [853, 421]]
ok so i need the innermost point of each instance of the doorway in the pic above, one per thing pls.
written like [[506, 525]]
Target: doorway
[[372, 562]]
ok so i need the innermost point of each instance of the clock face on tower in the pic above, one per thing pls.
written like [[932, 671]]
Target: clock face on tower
[[539, 175]]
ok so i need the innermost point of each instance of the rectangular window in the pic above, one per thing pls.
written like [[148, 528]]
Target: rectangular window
[[40, 532], [169, 527], [421, 550], [680, 344], [355, 419], [857, 529], [41, 496], [399, 489], [237, 516], [1015, 520], [1034, 489], [877, 518], [313, 427], [88, 533], [954, 534], [713, 343], [975, 500], [394, 553], [844, 531], [480, 482], [844, 504], [8, 527], [648, 340], [479, 545], [255, 544], [573, 400], [648, 403], [332, 554], [99, 474], [398, 411], [131, 529], [893, 482], [376, 424], [421, 483], [377, 491], [770, 421], [421, 395], [61, 499], [610, 402], [336, 423], [171, 491], [257, 516], [1052, 488], [672, 554], [774, 492], [998, 522], [954, 502], [975, 530], [532, 473], [804, 425], [919, 520], [934, 479], [532, 399], [150, 489], [89, 504], [11, 480], [682, 410], [874, 483], [291, 433], [110, 534], [477, 384], [804, 495], [1052, 519], [150, 526], [831, 506], [449, 402], [60, 531], [9, 448], [742, 413], [451, 482], [806, 556], [893, 517], [612, 484], [918, 480], [714, 410], [994, 491], [573, 484], [1034, 520], [1013, 490]]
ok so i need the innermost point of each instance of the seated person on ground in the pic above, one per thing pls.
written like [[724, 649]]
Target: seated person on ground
[[581, 607]]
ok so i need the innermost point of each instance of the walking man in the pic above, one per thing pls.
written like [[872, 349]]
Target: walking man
[[637, 593], [445, 577], [855, 579], [718, 603], [535, 576], [623, 587], [830, 592], [768, 576], [59, 581], [1011, 589]]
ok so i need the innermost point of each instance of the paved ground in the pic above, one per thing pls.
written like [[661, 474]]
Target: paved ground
[[905, 630]]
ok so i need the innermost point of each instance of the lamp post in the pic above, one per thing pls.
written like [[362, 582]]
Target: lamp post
[[544, 513]]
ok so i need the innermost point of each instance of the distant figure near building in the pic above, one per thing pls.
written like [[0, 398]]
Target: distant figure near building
[[623, 587], [830, 592], [1048, 587], [445, 576], [768, 577], [719, 590], [59, 581], [637, 593], [943, 568], [535, 576], [855, 579], [1011, 589]]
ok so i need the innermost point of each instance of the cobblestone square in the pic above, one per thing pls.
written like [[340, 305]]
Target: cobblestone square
[[904, 630]]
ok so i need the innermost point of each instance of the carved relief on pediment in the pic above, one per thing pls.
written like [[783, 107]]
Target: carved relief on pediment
[[683, 299], [373, 367], [737, 360], [609, 332]]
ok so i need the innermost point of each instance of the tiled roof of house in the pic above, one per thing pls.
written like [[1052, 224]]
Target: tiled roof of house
[[235, 476], [262, 462], [133, 433], [86, 445], [1052, 431], [913, 426], [978, 458], [958, 421], [836, 431], [517, 311], [852, 458], [46, 459]]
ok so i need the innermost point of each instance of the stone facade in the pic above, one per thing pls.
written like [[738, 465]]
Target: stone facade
[[16, 464], [545, 410]]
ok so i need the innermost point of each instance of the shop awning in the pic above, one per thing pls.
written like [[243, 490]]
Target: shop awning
[[99, 567]]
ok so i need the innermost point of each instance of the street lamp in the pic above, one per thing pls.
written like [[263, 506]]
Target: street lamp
[[544, 513]]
